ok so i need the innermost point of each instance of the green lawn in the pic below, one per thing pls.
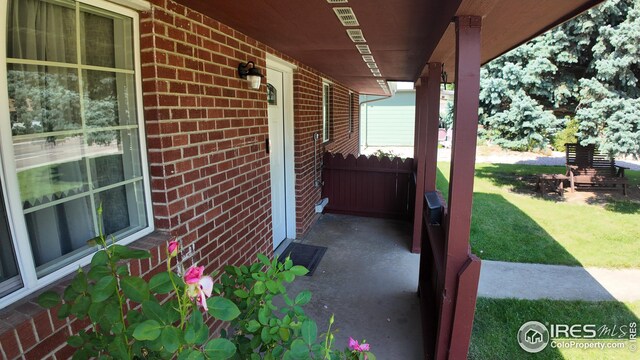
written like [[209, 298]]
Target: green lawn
[[510, 223], [497, 322]]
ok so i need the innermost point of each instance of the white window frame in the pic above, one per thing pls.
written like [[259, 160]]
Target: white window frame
[[13, 203], [326, 110]]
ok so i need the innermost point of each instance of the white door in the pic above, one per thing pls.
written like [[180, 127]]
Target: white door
[[277, 156]]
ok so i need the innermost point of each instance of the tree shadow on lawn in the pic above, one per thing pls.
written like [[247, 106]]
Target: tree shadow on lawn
[[518, 178], [501, 231], [522, 179]]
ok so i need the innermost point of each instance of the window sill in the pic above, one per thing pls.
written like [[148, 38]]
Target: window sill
[[28, 324]]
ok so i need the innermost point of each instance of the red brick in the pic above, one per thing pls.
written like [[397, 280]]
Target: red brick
[[47, 345]]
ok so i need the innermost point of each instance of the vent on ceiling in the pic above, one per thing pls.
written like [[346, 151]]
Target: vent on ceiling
[[368, 58], [356, 35], [372, 65], [363, 49], [346, 16], [337, 1]]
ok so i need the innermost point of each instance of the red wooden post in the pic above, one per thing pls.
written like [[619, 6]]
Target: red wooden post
[[458, 222], [433, 123], [416, 128], [421, 146]]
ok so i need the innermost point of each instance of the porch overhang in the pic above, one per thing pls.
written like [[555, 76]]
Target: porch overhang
[[403, 35]]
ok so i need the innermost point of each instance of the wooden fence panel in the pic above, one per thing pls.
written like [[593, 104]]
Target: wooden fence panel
[[368, 186]]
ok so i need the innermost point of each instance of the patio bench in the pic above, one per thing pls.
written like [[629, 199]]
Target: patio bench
[[587, 167], [551, 183]]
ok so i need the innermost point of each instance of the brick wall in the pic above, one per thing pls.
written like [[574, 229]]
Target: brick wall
[[206, 132], [209, 170]]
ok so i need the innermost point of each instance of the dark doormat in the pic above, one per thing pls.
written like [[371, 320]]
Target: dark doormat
[[308, 256]]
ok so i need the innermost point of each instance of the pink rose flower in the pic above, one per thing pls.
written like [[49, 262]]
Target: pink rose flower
[[354, 346], [172, 248], [193, 275], [198, 286]]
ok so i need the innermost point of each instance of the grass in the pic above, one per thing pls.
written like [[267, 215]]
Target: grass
[[497, 322], [510, 223]]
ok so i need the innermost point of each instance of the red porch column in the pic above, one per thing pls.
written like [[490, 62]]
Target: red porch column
[[461, 268], [419, 159], [416, 129], [433, 123]]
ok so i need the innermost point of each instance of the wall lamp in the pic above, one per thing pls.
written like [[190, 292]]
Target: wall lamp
[[249, 72]]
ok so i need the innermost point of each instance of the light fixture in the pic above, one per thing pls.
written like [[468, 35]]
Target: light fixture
[[249, 72]]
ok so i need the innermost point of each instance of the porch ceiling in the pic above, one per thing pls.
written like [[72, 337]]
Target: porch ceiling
[[403, 35]]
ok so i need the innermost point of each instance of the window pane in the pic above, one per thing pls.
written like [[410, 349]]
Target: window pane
[[50, 170], [109, 99], [43, 99], [123, 210], [59, 232], [117, 157], [107, 39], [9, 276], [42, 30]]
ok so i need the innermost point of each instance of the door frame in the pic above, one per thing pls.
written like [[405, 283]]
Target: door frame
[[287, 69]]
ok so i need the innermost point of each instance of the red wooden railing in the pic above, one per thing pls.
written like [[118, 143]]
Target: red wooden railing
[[446, 332], [368, 186]]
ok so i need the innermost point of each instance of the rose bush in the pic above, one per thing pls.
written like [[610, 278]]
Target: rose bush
[[130, 318]]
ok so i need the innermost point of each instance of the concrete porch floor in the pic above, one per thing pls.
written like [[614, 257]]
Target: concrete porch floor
[[368, 278]]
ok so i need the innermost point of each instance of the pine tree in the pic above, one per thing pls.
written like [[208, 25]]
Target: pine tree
[[586, 69]]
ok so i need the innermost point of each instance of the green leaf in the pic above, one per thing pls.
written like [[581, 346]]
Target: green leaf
[[98, 272], [75, 341], [242, 294], [222, 308], [118, 349], [265, 260], [265, 335], [252, 326], [81, 306], [171, 312], [135, 288], [284, 333], [153, 310], [299, 270], [148, 330], [96, 311], [309, 332], [273, 286], [191, 354], [299, 349], [63, 311], [103, 289], [124, 252], [220, 349], [263, 315], [288, 276], [79, 283], [288, 264], [99, 258], [303, 297], [69, 294], [161, 283], [259, 288], [171, 338], [48, 299], [196, 331]]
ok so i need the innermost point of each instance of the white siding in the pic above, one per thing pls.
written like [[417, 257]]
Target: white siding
[[390, 125]]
